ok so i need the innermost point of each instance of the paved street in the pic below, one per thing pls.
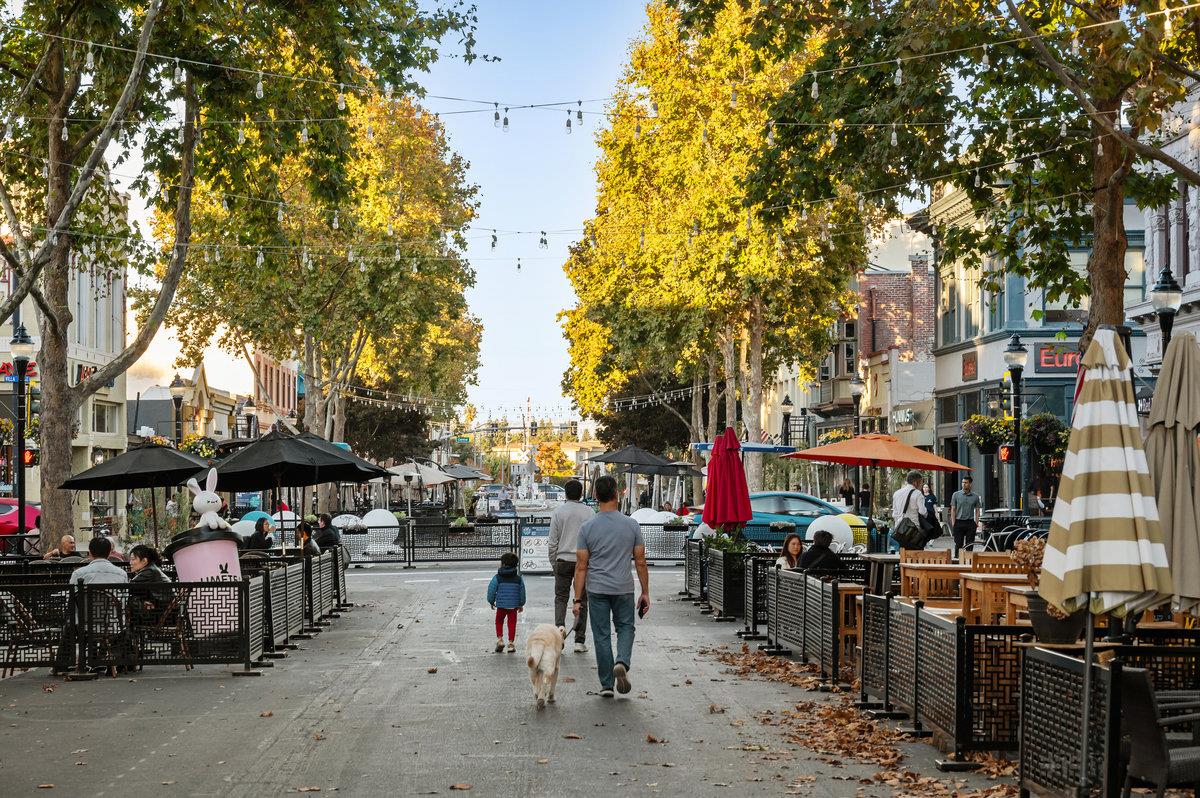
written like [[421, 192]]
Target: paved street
[[356, 710]]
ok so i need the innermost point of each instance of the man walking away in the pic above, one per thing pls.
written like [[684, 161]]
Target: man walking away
[[565, 523], [966, 511], [907, 501], [606, 544]]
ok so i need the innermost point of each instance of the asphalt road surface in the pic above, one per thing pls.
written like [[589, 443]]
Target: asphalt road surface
[[357, 711]]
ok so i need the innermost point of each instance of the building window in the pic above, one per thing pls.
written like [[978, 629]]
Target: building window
[[850, 363], [970, 404], [104, 417], [826, 373], [947, 407], [950, 309], [1183, 258], [850, 330], [1135, 276]]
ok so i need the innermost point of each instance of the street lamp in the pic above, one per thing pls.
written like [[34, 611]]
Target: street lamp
[[785, 407], [178, 389], [857, 388], [22, 349], [1016, 356], [1166, 296], [251, 420]]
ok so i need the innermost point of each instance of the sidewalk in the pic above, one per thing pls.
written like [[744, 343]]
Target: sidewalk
[[358, 711]]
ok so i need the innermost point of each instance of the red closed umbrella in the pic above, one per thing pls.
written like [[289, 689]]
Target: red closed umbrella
[[727, 500]]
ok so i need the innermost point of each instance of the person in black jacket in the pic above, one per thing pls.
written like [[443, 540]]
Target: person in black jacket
[[819, 554], [260, 539], [145, 571], [326, 535]]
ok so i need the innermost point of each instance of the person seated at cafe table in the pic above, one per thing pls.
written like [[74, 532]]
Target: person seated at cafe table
[[65, 548], [326, 535], [789, 557], [145, 567], [819, 554], [99, 570], [260, 539]]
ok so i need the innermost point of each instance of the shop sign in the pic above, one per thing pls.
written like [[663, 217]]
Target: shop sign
[[8, 372], [970, 366], [1055, 359], [84, 370], [904, 419]]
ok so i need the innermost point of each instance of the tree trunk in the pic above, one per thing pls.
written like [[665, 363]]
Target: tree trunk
[[752, 399], [58, 403], [698, 429], [729, 354], [1106, 267], [714, 401]]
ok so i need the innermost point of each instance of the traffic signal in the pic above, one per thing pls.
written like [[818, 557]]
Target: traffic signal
[[35, 402], [532, 428], [30, 458], [1008, 453], [574, 429]]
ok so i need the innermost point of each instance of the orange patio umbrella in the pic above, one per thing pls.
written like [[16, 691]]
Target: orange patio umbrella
[[878, 450]]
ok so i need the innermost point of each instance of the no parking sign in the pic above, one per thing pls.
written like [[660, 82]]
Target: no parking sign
[[535, 546]]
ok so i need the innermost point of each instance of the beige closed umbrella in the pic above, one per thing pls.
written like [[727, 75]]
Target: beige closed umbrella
[[1174, 461]]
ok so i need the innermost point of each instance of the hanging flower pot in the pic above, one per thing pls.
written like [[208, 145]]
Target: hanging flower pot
[[986, 433]]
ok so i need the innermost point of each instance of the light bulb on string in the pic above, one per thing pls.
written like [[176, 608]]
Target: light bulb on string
[[642, 238], [416, 266], [258, 87], [241, 137], [225, 204], [733, 98], [1075, 46], [568, 123], [217, 255], [1062, 131], [504, 126], [637, 130], [90, 62], [390, 229], [178, 72], [260, 259], [46, 170], [899, 77], [370, 132], [496, 115], [362, 267], [579, 110], [279, 213], [987, 61], [518, 264], [978, 181], [178, 135], [815, 92], [335, 220], [341, 97], [64, 130], [495, 240], [833, 137], [771, 133], [894, 140]]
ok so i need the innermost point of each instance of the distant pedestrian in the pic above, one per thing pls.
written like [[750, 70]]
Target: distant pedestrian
[[506, 595], [864, 499], [790, 556], [966, 510], [565, 523], [606, 545], [847, 492], [931, 502]]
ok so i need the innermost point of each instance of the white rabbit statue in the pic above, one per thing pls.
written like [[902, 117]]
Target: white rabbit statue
[[207, 503]]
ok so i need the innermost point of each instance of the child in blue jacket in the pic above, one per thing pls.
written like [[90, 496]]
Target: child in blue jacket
[[506, 594]]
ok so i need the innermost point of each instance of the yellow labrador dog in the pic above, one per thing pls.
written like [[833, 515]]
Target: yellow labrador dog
[[544, 647]]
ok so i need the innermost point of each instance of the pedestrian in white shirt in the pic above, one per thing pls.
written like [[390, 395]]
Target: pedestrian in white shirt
[[565, 523], [907, 500]]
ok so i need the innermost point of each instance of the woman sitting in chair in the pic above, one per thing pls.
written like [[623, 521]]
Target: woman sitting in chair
[[145, 569]]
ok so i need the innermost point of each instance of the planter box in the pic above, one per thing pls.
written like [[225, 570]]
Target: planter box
[[726, 583]]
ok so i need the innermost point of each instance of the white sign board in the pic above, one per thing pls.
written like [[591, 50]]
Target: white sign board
[[535, 548]]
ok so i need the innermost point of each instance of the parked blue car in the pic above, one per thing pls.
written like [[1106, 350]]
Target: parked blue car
[[793, 508]]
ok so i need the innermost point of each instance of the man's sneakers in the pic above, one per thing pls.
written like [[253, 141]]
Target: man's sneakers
[[511, 647], [606, 692], [499, 644], [619, 671], [580, 648]]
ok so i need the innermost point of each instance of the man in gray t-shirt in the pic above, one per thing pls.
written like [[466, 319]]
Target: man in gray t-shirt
[[565, 522], [606, 545], [966, 510]]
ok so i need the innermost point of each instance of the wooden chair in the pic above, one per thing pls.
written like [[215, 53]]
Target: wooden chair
[[921, 556], [993, 562]]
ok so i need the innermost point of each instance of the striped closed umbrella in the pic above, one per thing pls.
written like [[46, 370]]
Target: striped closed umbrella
[[1105, 550]]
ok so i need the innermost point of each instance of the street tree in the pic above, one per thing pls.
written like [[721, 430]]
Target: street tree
[[162, 87], [1049, 116], [681, 272]]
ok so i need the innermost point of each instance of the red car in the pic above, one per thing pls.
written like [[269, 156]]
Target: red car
[[8, 516]]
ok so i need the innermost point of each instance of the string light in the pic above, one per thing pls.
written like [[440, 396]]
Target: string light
[[568, 123], [258, 87], [178, 72], [496, 115], [899, 78], [733, 98], [771, 133], [90, 62], [241, 137], [815, 91], [341, 97], [579, 110], [504, 127], [894, 140], [335, 220], [496, 240], [987, 61], [260, 258], [304, 132]]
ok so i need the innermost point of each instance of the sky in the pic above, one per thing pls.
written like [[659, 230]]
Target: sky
[[535, 177]]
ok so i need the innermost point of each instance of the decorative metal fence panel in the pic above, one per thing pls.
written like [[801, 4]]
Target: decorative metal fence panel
[[811, 610], [874, 630], [382, 543], [255, 608], [937, 672], [296, 598], [991, 678], [757, 574], [1052, 715], [339, 572], [694, 565], [902, 664], [33, 622], [664, 542], [715, 561], [324, 566], [788, 613], [277, 605]]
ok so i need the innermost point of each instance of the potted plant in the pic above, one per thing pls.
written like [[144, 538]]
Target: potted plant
[[726, 555], [986, 432], [1046, 436], [1050, 624], [676, 524]]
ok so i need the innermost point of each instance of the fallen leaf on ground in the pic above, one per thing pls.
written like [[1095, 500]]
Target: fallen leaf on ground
[[431, 670], [568, 680], [45, 786], [267, 714], [318, 736], [49, 687], [543, 761], [462, 787], [167, 782], [308, 789], [650, 738], [572, 736], [79, 751], [716, 709]]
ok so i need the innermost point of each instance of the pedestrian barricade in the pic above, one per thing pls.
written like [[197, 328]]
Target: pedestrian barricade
[[694, 567], [806, 617], [431, 539], [960, 679], [32, 620], [1051, 709], [757, 571], [664, 542], [725, 583]]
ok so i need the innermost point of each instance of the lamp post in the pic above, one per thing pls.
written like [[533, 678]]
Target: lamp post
[[785, 407], [251, 419], [177, 389], [22, 349], [857, 388], [1016, 355], [1166, 296]]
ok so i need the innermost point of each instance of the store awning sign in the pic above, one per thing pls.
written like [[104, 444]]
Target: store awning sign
[[1056, 359]]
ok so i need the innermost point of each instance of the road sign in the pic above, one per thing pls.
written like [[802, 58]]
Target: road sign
[[462, 439]]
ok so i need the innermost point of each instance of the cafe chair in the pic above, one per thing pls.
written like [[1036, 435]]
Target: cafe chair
[[1151, 758], [23, 632]]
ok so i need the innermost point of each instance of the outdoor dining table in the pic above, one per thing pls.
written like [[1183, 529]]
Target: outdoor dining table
[[916, 579], [983, 594], [1016, 598]]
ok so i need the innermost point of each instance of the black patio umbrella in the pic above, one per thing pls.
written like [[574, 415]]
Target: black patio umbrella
[[373, 471], [464, 473], [278, 461], [631, 456], [142, 467], [669, 470]]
